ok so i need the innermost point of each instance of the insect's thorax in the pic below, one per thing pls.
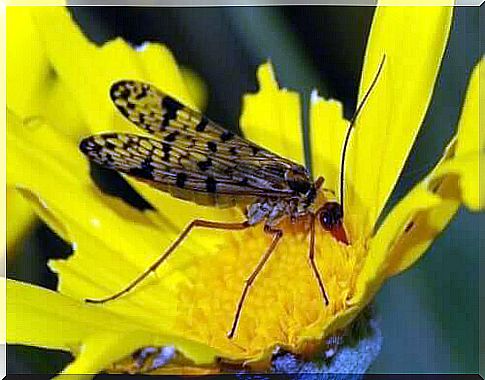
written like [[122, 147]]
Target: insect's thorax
[[273, 210]]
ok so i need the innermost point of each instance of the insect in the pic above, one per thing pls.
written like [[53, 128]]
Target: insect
[[194, 159]]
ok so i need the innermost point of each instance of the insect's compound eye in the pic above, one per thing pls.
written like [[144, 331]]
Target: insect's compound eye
[[331, 215]]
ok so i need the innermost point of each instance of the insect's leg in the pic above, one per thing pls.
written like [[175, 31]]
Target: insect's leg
[[173, 246], [311, 257], [277, 234]]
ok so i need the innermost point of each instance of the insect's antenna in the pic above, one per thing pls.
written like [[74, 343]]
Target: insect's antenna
[[351, 126]]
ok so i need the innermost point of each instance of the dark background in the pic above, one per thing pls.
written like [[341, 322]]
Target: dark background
[[430, 314]]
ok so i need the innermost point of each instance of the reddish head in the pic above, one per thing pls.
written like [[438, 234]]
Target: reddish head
[[330, 216]]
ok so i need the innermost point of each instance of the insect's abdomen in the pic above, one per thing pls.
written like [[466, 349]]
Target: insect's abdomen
[[203, 198]]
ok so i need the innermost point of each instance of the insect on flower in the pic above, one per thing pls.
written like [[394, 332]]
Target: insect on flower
[[194, 159]]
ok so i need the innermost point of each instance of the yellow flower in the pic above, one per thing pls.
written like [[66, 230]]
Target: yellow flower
[[190, 303]]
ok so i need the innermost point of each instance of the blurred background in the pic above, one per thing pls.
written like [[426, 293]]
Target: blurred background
[[430, 314]]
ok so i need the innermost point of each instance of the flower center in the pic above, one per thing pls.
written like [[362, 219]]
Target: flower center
[[285, 298]]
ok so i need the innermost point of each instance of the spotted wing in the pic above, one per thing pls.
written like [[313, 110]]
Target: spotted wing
[[172, 122], [179, 168], [188, 155]]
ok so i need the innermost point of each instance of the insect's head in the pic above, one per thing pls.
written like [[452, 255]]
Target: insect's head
[[330, 216]]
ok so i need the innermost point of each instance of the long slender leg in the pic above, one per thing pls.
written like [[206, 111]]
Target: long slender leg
[[277, 234], [173, 246], [311, 257]]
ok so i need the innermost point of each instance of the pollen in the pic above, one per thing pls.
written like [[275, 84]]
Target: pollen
[[285, 298]]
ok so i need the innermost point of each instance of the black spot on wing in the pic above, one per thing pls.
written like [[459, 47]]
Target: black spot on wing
[[142, 94], [123, 111], [211, 184], [243, 182], [212, 146], [87, 145], [226, 136], [144, 171], [171, 137], [180, 181], [171, 106], [204, 165], [110, 145], [166, 147], [119, 90], [202, 124]]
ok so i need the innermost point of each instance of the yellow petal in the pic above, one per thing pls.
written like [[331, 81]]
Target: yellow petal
[[60, 69], [469, 137], [40, 317], [272, 117], [415, 221], [466, 168], [33, 88], [61, 112], [20, 217], [196, 86], [413, 40], [471, 141], [403, 237], [28, 66], [88, 71], [327, 132], [43, 318]]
